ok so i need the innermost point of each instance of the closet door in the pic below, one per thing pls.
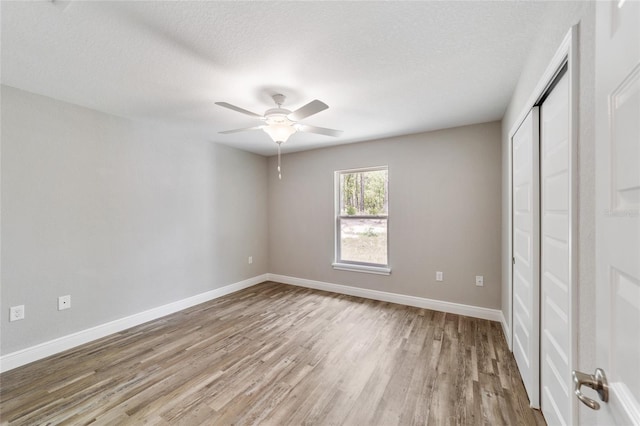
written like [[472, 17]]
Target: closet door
[[526, 254], [555, 272]]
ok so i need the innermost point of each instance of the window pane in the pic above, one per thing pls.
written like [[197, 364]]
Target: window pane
[[364, 193], [363, 240]]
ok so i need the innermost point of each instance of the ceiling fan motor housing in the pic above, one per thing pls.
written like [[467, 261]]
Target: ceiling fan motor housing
[[278, 116]]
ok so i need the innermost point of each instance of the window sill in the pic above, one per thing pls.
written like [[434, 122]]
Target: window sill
[[379, 270]]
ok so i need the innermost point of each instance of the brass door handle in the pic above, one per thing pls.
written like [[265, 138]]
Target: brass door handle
[[597, 382]]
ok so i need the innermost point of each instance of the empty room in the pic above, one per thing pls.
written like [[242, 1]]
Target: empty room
[[320, 212]]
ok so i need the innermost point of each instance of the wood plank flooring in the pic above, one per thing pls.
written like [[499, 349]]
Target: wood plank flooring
[[275, 354]]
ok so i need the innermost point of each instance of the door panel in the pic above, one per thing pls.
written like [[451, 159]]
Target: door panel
[[555, 187], [526, 249], [618, 207]]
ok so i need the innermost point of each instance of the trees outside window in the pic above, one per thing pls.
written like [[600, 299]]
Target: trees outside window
[[362, 216]]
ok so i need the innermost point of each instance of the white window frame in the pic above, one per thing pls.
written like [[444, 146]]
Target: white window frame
[[339, 264]]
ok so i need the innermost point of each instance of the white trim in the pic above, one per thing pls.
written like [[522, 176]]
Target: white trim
[[509, 319], [573, 73], [505, 327], [418, 302], [559, 58], [364, 169], [380, 270], [43, 350]]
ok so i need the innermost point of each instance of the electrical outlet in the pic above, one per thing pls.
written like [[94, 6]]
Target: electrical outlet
[[479, 280], [64, 302], [250, 260], [439, 276], [16, 313]]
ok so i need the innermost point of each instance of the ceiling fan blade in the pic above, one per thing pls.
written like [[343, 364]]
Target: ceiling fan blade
[[226, 132], [238, 109], [62, 4], [311, 108], [318, 130]]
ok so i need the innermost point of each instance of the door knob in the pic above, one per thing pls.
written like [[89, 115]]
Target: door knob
[[597, 382]]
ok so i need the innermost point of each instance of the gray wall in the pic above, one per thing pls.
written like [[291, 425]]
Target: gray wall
[[122, 215], [444, 204], [561, 16]]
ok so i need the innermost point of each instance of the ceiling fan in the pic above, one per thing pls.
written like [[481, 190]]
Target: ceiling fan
[[280, 123]]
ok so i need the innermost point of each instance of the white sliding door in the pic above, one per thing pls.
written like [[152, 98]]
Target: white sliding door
[[526, 254], [556, 266]]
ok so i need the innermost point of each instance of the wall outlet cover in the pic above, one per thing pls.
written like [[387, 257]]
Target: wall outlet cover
[[64, 302], [479, 280], [16, 313], [439, 276]]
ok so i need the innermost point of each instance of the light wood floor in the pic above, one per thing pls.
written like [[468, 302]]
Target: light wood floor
[[275, 354]]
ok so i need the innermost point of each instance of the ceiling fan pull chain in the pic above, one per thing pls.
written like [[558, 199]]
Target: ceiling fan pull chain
[[279, 174]]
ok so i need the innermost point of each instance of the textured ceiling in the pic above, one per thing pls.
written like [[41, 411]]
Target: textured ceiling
[[384, 68]]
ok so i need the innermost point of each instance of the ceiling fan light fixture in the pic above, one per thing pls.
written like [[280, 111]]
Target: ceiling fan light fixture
[[279, 132]]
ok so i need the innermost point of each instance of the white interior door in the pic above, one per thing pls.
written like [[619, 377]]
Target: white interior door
[[555, 263], [618, 208], [526, 254]]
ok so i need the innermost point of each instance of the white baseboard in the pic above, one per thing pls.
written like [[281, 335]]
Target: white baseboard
[[419, 302], [43, 350], [506, 330], [52, 347]]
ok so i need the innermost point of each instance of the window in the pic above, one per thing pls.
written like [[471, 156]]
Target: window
[[362, 219]]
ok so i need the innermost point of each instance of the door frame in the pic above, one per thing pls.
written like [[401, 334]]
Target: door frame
[[567, 53]]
